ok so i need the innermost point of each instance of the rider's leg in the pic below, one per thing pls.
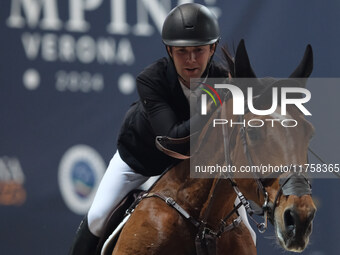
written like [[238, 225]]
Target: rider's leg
[[118, 180], [84, 242]]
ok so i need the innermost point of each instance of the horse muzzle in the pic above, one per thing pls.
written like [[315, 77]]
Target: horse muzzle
[[297, 226]]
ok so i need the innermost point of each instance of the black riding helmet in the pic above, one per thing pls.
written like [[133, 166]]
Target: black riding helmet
[[190, 25]]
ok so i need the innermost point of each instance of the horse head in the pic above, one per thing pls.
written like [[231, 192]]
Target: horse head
[[283, 193]]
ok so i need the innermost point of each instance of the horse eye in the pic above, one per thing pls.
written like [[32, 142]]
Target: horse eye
[[253, 133], [268, 181]]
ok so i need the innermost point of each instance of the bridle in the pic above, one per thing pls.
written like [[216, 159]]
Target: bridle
[[289, 184], [206, 236]]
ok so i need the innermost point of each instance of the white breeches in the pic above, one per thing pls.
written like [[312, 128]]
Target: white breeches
[[118, 180]]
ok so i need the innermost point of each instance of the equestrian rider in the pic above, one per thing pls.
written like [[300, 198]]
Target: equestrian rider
[[190, 33]]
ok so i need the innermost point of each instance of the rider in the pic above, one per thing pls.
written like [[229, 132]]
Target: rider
[[190, 33]]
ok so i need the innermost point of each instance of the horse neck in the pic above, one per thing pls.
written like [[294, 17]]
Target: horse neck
[[219, 203], [190, 193]]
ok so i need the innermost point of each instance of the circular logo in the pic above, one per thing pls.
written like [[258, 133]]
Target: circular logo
[[80, 171]]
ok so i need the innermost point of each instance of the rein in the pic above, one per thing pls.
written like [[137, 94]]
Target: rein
[[243, 201]]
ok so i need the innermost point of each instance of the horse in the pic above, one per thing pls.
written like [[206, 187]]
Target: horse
[[184, 215]]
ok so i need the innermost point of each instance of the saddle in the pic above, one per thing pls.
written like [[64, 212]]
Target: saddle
[[115, 219]]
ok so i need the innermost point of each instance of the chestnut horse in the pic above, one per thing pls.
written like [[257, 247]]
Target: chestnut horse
[[183, 215]]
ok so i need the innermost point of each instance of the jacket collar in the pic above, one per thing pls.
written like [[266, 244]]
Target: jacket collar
[[175, 87]]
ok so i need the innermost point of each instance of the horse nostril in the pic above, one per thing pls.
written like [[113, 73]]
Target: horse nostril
[[309, 228], [289, 221], [311, 215]]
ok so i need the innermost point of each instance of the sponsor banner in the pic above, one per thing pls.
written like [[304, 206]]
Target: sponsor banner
[[12, 182], [67, 78]]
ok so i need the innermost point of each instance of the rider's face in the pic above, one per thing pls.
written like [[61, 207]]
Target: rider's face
[[190, 62]]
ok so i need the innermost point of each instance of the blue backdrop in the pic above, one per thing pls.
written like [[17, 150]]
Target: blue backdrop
[[67, 73]]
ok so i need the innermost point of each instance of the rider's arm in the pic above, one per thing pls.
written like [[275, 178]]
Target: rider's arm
[[161, 116]]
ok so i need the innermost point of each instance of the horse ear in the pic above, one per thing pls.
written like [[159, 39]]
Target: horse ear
[[305, 67], [243, 68], [230, 60]]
